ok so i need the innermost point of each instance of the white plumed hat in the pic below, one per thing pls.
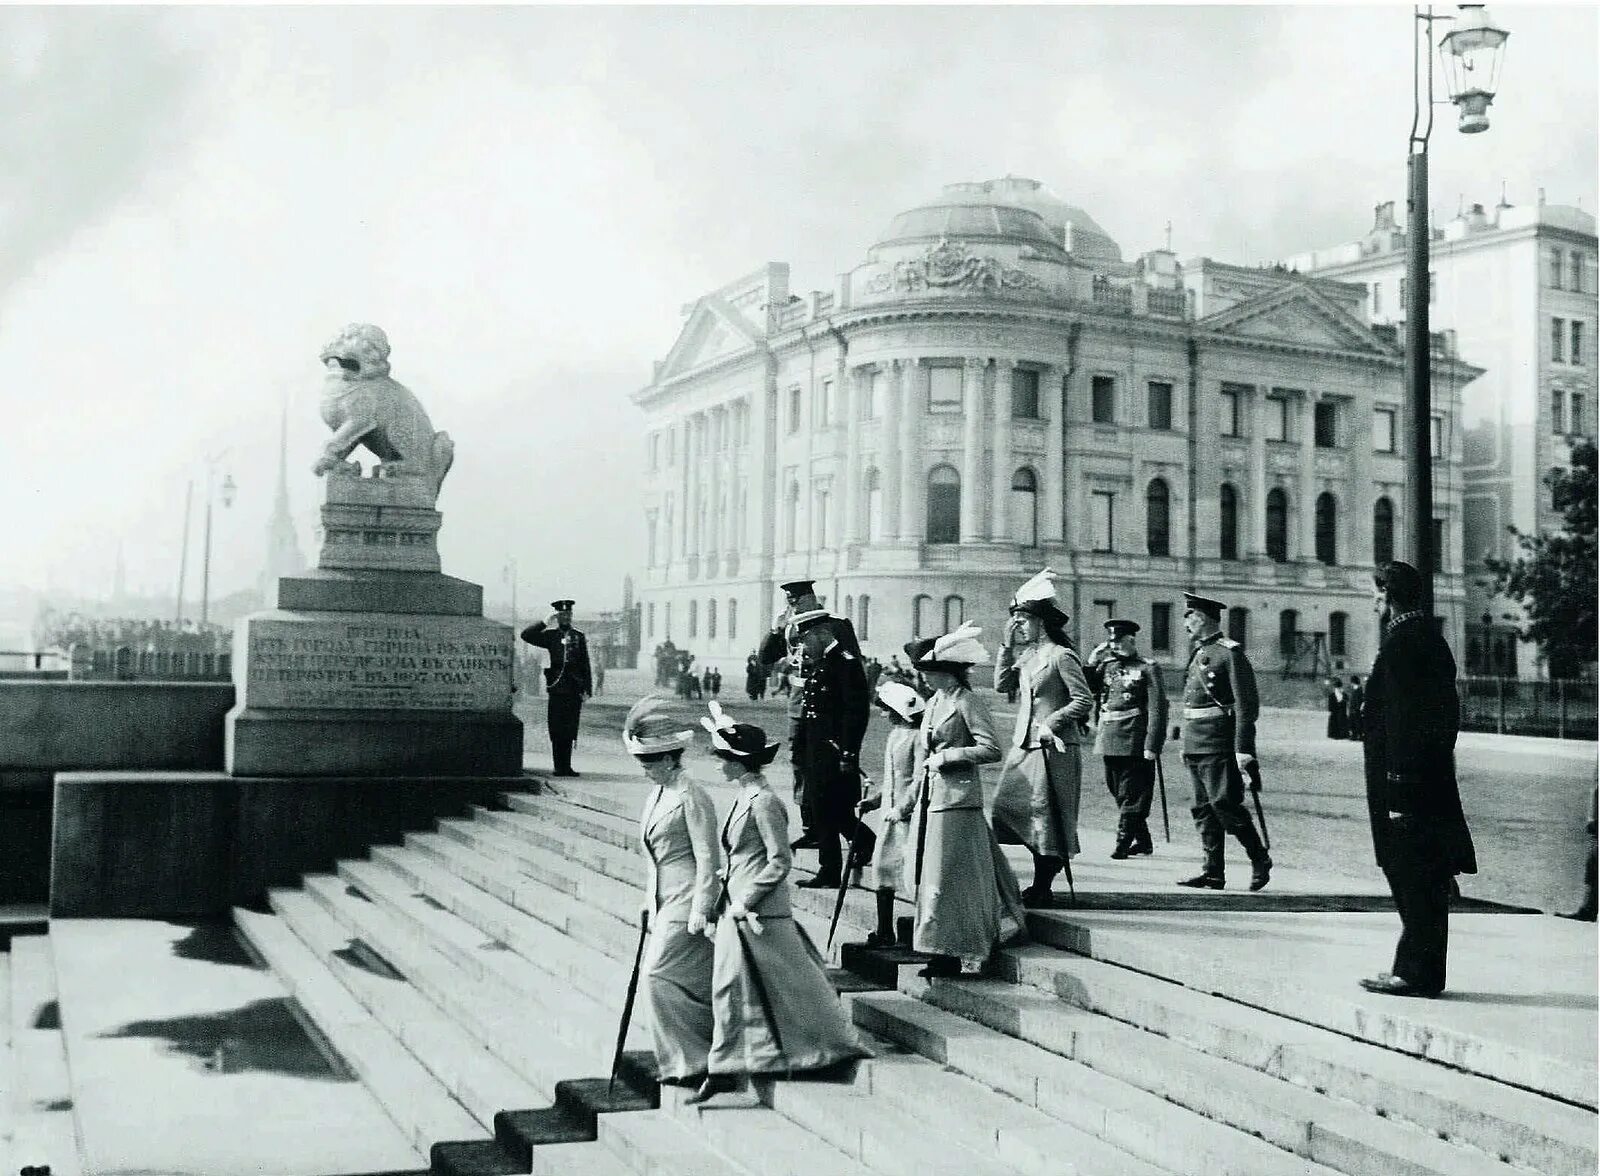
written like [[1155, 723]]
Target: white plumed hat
[[902, 700], [1038, 598], [961, 647], [650, 730]]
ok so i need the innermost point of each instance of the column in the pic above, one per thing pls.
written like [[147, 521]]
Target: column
[[972, 525], [848, 382], [1357, 430], [1052, 402], [1256, 504], [912, 375], [1308, 477], [890, 457], [1004, 462], [763, 474], [685, 501]]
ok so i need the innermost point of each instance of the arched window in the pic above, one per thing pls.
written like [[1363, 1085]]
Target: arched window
[[1327, 528], [1229, 501], [863, 630], [733, 619], [1239, 625], [944, 504], [1025, 507], [1382, 531], [1277, 524], [1288, 625], [694, 616], [1337, 624], [873, 494], [920, 618], [711, 618], [1157, 518], [955, 611], [791, 517]]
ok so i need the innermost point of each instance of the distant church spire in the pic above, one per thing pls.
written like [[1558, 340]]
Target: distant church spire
[[283, 545]]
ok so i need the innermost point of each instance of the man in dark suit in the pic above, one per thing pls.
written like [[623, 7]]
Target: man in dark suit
[[828, 719], [567, 679], [1409, 724]]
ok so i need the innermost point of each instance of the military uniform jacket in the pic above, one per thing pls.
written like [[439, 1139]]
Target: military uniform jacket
[[1133, 706], [833, 690], [1220, 703], [568, 671]]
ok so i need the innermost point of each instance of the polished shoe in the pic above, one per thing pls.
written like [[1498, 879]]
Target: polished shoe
[[1123, 850], [1386, 984], [1141, 849], [941, 968], [819, 882], [1038, 898], [1203, 882], [566, 772], [807, 840], [879, 939], [714, 1085], [1260, 873]]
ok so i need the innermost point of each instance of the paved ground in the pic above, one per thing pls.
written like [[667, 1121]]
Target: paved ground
[[1526, 799]]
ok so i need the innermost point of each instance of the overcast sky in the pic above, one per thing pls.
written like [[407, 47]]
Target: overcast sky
[[193, 201]]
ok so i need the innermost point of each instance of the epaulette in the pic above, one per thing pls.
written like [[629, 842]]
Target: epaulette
[[1228, 643]]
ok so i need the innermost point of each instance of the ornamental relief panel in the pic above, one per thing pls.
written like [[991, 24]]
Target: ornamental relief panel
[[1331, 465], [952, 267], [943, 432], [1283, 462]]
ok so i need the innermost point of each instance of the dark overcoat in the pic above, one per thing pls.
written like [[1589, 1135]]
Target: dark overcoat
[[1410, 717]]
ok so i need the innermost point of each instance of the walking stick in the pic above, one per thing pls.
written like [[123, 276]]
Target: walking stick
[[1255, 795], [627, 1004], [1066, 861], [844, 879], [1161, 783]]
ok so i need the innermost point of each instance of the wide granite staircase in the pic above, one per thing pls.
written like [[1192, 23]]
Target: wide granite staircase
[[472, 978]]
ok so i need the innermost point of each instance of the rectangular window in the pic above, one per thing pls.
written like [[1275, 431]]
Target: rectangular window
[[1575, 424], [944, 389], [672, 447], [1383, 430], [794, 409], [1327, 424], [876, 382], [1436, 437], [1103, 399], [1161, 627], [1555, 269], [1104, 610], [1233, 409], [1160, 406], [1101, 512], [824, 414], [1377, 299], [1558, 338], [1277, 418], [1025, 394], [1575, 354], [1577, 271], [651, 613], [1558, 413], [1440, 555]]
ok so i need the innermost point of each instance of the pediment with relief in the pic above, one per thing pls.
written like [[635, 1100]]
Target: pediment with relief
[[715, 330], [1298, 316]]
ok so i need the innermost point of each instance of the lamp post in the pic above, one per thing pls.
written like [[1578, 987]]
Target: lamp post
[[1471, 53], [228, 490]]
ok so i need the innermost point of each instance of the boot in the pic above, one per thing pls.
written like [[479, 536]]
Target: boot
[[1125, 839], [904, 928], [714, 1085], [1045, 869], [1205, 880], [941, 967], [884, 935], [1142, 843], [1260, 871]]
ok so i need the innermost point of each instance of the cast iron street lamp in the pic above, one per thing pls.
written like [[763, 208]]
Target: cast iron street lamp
[[1471, 53], [228, 489]]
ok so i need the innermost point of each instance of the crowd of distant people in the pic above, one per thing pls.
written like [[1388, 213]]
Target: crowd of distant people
[[139, 634], [1344, 708]]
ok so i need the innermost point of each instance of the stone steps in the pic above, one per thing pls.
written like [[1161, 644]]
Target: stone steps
[[1515, 1125], [414, 1099], [1335, 1133], [43, 1128]]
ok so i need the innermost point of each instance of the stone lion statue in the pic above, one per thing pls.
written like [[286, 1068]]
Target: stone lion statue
[[364, 406]]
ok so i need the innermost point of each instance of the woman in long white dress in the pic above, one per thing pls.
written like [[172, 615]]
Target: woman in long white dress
[[678, 832], [904, 707], [775, 1010], [967, 898]]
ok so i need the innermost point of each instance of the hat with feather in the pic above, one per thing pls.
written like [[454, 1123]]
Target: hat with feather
[[958, 648], [901, 701], [1037, 598], [744, 743], [650, 729]]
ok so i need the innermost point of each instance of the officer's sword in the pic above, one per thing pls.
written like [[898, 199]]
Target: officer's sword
[[1254, 772]]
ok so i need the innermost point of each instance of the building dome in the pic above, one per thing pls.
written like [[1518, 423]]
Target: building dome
[[1070, 227], [971, 220]]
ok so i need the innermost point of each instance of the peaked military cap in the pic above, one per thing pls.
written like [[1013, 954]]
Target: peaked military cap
[[799, 588], [561, 605], [1203, 604], [1121, 627]]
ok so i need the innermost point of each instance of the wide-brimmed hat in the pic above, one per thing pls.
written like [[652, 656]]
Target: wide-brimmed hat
[[650, 730], [960, 648], [1037, 598], [900, 700], [743, 743]]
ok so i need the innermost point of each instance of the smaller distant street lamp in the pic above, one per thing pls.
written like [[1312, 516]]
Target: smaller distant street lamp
[[229, 488]]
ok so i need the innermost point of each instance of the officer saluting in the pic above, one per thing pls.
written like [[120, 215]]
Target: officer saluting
[[832, 719], [1133, 729], [1220, 706], [567, 679]]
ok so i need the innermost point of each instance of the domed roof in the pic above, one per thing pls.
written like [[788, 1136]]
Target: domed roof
[[1012, 208], [971, 220]]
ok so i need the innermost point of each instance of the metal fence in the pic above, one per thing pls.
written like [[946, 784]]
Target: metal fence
[[1520, 706]]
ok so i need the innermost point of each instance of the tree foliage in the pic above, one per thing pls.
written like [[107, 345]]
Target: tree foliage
[[1554, 575]]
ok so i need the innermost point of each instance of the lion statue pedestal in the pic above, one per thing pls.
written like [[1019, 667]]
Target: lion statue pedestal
[[374, 664]]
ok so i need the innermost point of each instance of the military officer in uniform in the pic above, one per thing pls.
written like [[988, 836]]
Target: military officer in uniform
[[567, 679], [1220, 707], [1133, 728], [828, 711]]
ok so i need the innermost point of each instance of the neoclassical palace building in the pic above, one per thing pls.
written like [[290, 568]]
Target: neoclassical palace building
[[993, 390]]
